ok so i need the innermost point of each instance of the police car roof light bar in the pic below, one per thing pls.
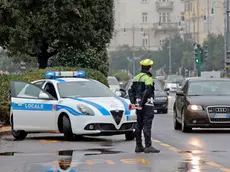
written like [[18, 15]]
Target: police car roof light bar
[[52, 74]]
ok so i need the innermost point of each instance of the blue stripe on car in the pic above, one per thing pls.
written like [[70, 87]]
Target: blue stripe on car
[[32, 106], [125, 104], [99, 107], [44, 107], [70, 110]]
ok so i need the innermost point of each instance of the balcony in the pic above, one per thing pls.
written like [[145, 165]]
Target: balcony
[[164, 5], [170, 26]]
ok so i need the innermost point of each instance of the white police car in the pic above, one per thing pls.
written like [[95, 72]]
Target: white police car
[[73, 106]]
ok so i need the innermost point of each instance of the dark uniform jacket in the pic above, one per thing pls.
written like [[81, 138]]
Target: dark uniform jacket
[[142, 90]]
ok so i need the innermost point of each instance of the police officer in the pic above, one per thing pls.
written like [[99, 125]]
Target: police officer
[[141, 94]]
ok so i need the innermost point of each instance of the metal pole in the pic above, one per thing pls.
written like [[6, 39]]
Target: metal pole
[[198, 21], [208, 16], [225, 39], [170, 55], [194, 38], [227, 11], [133, 31]]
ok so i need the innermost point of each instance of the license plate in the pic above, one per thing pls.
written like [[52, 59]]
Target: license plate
[[131, 118], [221, 115]]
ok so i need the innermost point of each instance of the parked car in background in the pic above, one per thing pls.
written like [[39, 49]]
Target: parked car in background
[[173, 82], [113, 83], [161, 97]]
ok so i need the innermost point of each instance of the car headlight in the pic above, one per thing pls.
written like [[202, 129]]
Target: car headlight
[[195, 107], [85, 110], [161, 98]]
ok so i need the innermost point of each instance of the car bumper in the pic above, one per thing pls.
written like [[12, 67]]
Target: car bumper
[[203, 120], [104, 125], [161, 105]]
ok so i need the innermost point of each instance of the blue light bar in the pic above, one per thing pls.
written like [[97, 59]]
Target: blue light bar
[[60, 74], [79, 74]]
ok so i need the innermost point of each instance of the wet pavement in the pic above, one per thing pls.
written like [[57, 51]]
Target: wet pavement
[[200, 151]]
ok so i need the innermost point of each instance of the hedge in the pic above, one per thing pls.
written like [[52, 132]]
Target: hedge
[[33, 75]]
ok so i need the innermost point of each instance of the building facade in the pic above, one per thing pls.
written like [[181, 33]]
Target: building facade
[[146, 23], [202, 17]]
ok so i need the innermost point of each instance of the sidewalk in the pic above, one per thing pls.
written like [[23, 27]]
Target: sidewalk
[[5, 130]]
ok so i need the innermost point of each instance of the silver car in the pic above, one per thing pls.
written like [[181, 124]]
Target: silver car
[[173, 82]]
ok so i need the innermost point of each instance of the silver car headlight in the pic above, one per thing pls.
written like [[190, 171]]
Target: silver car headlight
[[161, 98], [85, 110]]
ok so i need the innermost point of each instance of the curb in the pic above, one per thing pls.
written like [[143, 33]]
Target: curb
[[5, 131]]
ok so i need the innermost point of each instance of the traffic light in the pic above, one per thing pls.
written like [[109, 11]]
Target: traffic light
[[198, 52], [205, 52], [186, 73]]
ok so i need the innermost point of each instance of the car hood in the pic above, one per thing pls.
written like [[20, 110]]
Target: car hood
[[209, 100], [103, 104]]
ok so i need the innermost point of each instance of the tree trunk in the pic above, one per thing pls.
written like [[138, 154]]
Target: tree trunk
[[43, 61]]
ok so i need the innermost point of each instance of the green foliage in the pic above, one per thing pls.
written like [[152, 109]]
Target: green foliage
[[90, 58], [215, 60], [121, 58], [121, 75], [43, 28], [178, 47], [187, 60], [33, 75]]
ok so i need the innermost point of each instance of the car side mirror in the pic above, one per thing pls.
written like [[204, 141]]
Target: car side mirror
[[180, 93], [118, 93], [166, 89], [43, 96]]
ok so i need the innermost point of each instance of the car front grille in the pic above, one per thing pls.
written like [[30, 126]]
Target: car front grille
[[117, 115], [219, 114]]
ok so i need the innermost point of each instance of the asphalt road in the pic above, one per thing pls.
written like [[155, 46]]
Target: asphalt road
[[194, 152]]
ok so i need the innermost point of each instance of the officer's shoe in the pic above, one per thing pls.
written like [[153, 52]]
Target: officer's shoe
[[139, 149], [151, 150]]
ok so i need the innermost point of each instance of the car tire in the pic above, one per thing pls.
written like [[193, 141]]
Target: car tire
[[130, 135], [164, 111], [184, 127], [176, 124], [17, 134], [67, 129]]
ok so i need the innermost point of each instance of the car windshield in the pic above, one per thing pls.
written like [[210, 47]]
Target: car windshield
[[175, 78], [83, 89], [113, 81], [157, 85], [209, 88]]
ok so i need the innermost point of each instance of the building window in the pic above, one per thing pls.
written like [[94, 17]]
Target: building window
[[144, 17], [145, 42], [144, 1], [164, 17]]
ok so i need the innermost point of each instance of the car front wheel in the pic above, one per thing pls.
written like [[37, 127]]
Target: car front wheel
[[17, 134], [67, 129], [130, 135], [184, 127], [176, 124]]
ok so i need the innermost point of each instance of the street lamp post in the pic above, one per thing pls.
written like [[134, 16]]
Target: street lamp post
[[133, 29], [133, 47], [225, 5]]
